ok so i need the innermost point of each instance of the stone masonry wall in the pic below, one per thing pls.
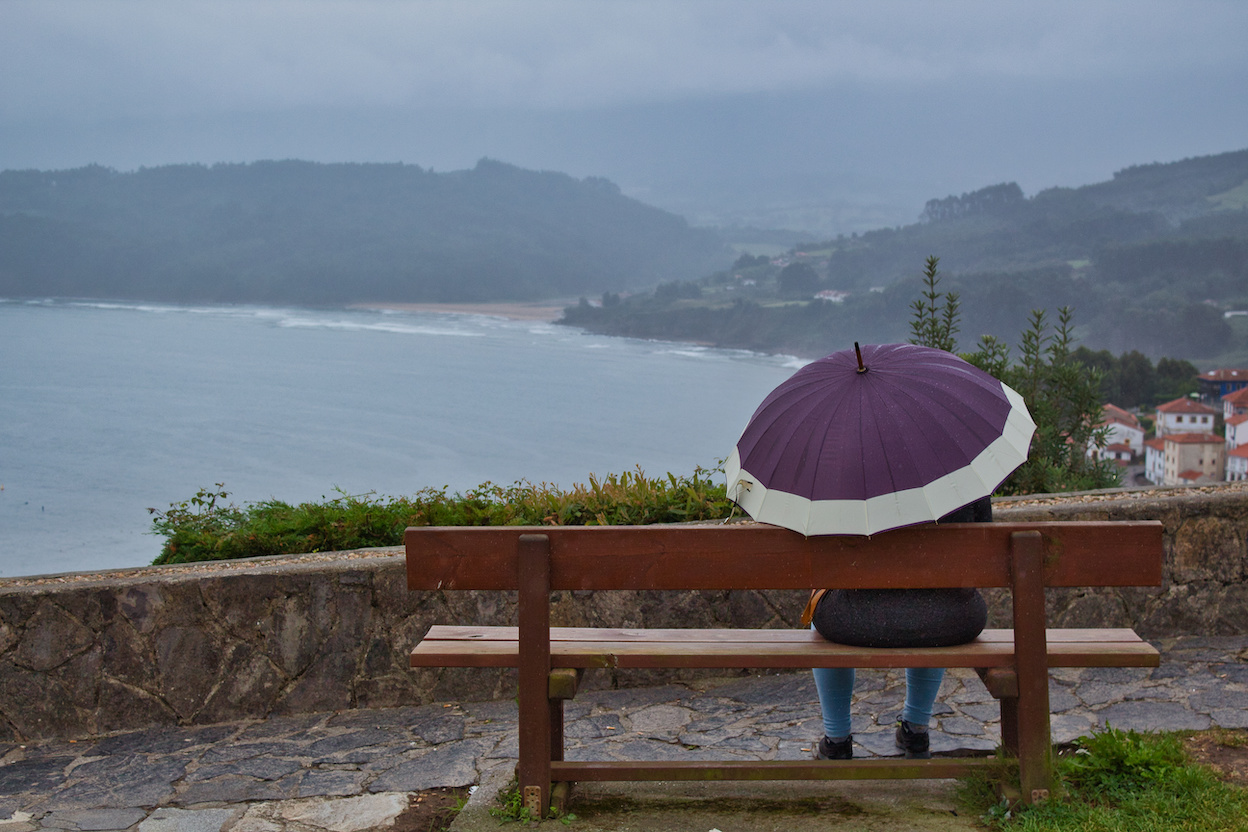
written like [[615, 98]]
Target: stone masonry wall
[[202, 643]]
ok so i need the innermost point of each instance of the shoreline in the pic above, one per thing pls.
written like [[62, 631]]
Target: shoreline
[[545, 311]]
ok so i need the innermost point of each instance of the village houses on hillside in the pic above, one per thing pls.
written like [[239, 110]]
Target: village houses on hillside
[[1186, 449]]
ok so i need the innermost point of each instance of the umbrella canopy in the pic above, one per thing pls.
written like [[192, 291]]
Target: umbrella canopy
[[905, 435]]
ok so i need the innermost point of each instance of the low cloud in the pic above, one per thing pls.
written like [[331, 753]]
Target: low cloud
[[104, 58]]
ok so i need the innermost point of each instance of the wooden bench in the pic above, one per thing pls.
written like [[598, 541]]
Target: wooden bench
[[1022, 557]]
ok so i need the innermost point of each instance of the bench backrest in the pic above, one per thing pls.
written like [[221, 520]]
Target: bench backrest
[[755, 556]]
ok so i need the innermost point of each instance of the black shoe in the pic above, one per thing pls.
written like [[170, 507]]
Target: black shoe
[[828, 750], [916, 744]]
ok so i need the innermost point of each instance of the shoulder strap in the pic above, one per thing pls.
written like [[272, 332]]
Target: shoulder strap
[[808, 614]]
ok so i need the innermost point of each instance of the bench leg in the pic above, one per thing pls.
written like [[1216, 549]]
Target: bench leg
[[1031, 661], [1009, 725], [556, 729], [1002, 683], [536, 710], [561, 686]]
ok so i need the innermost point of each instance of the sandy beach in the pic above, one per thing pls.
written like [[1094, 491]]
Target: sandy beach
[[543, 311]]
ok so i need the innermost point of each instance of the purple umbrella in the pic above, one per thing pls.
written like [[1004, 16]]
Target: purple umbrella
[[861, 443]]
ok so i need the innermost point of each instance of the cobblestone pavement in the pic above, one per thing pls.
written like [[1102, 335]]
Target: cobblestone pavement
[[353, 770]]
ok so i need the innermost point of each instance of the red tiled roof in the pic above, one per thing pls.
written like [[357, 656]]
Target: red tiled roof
[[1185, 405], [1237, 420], [1155, 444], [1191, 474], [1241, 451], [1114, 413], [1225, 375], [1238, 398], [1194, 438]]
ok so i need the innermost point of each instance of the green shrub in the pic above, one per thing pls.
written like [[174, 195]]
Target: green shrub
[[1063, 394], [206, 527]]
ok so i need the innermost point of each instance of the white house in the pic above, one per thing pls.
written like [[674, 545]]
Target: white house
[[1185, 416], [1235, 404], [1237, 464], [1236, 431], [1155, 460], [1118, 452], [1124, 437]]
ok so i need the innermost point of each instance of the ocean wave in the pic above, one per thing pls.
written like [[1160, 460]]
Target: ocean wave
[[792, 362], [258, 312], [689, 352], [291, 322]]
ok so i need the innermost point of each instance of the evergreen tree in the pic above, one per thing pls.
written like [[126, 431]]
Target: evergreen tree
[[1062, 393]]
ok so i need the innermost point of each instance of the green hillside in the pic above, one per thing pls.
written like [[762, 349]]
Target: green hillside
[[1151, 260], [300, 232]]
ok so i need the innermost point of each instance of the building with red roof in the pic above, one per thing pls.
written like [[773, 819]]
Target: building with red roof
[[1215, 384], [1185, 415], [1236, 431], [1194, 457], [1237, 464], [1235, 404], [1123, 430]]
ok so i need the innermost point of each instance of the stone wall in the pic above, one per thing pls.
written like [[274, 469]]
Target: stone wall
[[203, 643]]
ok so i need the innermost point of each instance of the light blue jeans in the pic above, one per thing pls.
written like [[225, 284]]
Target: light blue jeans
[[836, 690]]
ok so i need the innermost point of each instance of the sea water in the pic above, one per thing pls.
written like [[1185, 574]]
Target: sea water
[[109, 409]]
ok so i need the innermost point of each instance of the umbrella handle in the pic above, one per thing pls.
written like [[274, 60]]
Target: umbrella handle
[[862, 368]]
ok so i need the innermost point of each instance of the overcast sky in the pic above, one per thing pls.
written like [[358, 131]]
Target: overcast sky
[[808, 113]]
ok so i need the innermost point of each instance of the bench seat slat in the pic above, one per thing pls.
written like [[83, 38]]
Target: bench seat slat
[[444, 632], [788, 649]]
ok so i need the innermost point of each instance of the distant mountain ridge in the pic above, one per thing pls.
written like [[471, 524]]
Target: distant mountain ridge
[[310, 233], [998, 229]]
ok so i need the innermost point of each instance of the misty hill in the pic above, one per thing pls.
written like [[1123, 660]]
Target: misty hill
[[998, 229], [301, 232], [1151, 261]]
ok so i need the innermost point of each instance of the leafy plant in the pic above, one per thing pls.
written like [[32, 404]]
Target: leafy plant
[[511, 809], [1113, 761]]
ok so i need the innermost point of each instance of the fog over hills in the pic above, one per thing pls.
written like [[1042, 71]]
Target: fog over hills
[[820, 117], [1154, 259]]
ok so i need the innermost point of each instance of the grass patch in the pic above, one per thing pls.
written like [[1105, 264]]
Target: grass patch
[[1234, 199], [208, 527], [1115, 781]]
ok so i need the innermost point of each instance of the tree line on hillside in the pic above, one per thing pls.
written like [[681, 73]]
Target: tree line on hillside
[[1152, 260], [300, 232], [771, 317]]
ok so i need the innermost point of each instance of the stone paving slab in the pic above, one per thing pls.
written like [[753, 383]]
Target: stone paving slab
[[334, 771]]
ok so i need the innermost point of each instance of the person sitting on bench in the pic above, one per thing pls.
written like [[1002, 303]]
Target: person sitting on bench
[[893, 618]]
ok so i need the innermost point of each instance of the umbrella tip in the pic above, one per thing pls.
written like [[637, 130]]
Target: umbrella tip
[[862, 368]]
